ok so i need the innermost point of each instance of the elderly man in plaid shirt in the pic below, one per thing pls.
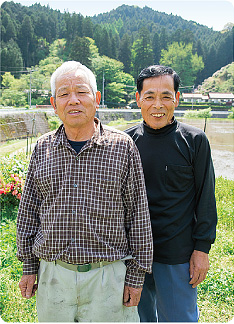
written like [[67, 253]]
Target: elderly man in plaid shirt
[[83, 227]]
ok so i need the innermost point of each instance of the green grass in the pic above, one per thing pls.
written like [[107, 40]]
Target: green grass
[[13, 146], [13, 308]]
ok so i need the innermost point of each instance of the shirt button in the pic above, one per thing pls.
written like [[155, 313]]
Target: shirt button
[[73, 212], [72, 239], [75, 185]]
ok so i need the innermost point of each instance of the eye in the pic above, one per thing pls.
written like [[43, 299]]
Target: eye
[[167, 98]]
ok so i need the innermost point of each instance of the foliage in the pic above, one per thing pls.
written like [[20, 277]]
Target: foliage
[[12, 175], [221, 81], [11, 57], [201, 113], [216, 293], [142, 52], [54, 122], [11, 97], [231, 115], [12, 306], [10, 195], [27, 33], [80, 51], [180, 57]]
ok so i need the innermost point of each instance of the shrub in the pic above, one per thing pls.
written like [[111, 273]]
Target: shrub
[[231, 115], [12, 176], [54, 122], [201, 113]]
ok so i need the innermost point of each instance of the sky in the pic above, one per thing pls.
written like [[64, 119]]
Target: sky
[[212, 13]]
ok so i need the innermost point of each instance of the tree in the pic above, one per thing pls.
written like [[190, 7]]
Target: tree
[[105, 43], [125, 52], [8, 30], [13, 98], [163, 39], [80, 51], [115, 79], [156, 48], [142, 52], [88, 27], [11, 57], [7, 79], [179, 56], [26, 38]]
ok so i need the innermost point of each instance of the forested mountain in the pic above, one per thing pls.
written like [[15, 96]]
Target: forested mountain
[[133, 36]]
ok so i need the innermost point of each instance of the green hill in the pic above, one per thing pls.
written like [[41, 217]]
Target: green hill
[[221, 81]]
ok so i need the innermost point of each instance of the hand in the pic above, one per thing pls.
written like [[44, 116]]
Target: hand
[[131, 296], [199, 266], [27, 286]]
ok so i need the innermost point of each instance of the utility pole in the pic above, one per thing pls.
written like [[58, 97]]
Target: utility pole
[[192, 97], [30, 88], [103, 81]]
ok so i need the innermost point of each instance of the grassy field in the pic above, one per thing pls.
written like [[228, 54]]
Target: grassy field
[[215, 294], [13, 146]]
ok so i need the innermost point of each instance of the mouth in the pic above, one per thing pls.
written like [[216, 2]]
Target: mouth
[[74, 112], [158, 115]]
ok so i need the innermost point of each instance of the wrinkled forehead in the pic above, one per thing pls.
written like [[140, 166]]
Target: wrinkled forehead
[[158, 84]]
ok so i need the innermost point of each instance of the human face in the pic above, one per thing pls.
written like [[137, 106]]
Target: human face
[[157, 101], [74, 102]]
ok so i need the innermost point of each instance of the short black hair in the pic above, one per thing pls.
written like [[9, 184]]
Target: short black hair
[[155, 71]]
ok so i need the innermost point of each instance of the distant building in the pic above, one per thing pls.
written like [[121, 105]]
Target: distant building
[[227, 98], [195, 97], [221, 97]]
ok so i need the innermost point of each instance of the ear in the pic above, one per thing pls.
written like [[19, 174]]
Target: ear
[[52, 101], [177, 97], [138, 99], [98, 97]]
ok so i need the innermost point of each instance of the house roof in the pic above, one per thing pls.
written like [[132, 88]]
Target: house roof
[[215, 95], [192, 95]]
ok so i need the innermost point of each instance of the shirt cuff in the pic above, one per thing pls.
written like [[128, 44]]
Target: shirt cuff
[[134, 277], [202, 246], [31, 266]]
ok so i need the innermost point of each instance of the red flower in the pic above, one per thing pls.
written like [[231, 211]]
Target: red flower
[[2, 191]]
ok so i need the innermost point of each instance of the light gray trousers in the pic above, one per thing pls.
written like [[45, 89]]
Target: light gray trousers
[[95, 296]]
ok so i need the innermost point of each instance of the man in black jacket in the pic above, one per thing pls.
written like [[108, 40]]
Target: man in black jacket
[[180, 185]]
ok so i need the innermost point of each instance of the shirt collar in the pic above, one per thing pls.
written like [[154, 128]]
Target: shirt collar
[[99, 137]]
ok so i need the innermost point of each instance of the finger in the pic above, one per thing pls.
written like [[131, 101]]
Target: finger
[[34, 290], [195, 276], [126, 296], [22, 289], [200, 279], [29, 291]]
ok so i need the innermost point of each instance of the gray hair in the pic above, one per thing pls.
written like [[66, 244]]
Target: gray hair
[[71, 66]]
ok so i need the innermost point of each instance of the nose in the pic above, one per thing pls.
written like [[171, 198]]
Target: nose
[[74, 99], [157, 103]]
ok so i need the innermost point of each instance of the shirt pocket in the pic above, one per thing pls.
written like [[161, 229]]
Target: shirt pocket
[[178, 177]]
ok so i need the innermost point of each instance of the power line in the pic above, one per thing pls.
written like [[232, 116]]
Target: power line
[[18, 71]]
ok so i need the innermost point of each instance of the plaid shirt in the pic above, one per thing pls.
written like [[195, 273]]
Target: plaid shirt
[[86, 207]]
